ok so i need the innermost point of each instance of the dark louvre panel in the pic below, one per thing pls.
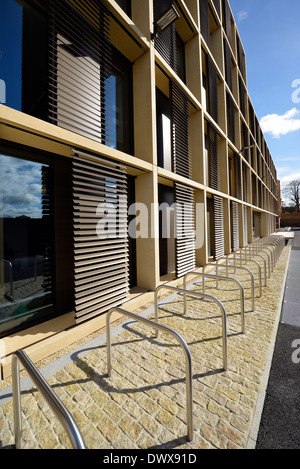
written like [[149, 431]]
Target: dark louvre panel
[[204, 21], [180, 116], [219, 227], [100, 235], [166, 41], [242, 97], [241, 57], [213, 157], [227, 20], [217, 6], [80, 67], [251, 119], [212, 89], [230, 119], [238, 177], [228, 65], [235, 226], [185, 229], [246, 141]]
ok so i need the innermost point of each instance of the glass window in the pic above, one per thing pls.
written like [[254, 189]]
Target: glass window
[[25, 243], [164, 142], [119, 112], [23, 58]]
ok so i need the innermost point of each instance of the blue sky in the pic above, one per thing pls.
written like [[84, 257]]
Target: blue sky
[[270, 33]]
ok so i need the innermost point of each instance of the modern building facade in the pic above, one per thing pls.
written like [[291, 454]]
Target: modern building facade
[[128, 151]]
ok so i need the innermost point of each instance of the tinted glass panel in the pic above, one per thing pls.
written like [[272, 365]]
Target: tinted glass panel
[[25, 249], [23, 58]]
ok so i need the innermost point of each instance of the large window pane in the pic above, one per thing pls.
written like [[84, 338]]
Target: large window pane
[[23, 58], [25, 243]]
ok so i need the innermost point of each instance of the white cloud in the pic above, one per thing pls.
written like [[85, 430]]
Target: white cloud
[[242, 15], [281, 125]]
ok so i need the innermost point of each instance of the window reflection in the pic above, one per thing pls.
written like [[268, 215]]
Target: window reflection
[[23, 58], [25, 249]]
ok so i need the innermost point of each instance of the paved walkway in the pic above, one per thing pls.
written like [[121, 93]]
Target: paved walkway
[[279, 428], [143, 404]]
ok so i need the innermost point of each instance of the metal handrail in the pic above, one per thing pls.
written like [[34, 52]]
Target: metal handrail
[[182, 343], [199, 295], [58, 408], [221, 277]]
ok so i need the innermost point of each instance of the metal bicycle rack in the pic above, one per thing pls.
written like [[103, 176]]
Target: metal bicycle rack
[[58, 408], [182, 343], [258, 251], [199, 295], [228, 266], [234, 266], [220, 277], [250, 256]]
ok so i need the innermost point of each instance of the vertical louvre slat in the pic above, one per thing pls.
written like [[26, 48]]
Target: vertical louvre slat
[[79, 68], [218, 227], [100, 236], [213, 157], [180, 117], [235, 226], [185, 229]]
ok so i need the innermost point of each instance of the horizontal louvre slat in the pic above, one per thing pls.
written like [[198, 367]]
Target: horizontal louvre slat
[[219, 227], [100, 258], [80, 64], [235, 226], [185, 229]]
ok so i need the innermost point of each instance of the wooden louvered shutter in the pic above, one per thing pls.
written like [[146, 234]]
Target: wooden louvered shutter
[[212, 89], [235, 226], [213, 157], [79, 68], [185, 229], [166, 40], [204, 21], [100, 249], [219, 250], [180, 117]]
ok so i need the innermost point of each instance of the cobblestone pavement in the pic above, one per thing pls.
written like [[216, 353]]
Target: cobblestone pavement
[[143, 404]]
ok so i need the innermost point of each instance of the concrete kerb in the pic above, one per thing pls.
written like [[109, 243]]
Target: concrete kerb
[[265, 378]]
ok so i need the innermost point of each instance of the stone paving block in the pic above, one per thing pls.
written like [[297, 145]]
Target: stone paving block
[[143, 404]]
